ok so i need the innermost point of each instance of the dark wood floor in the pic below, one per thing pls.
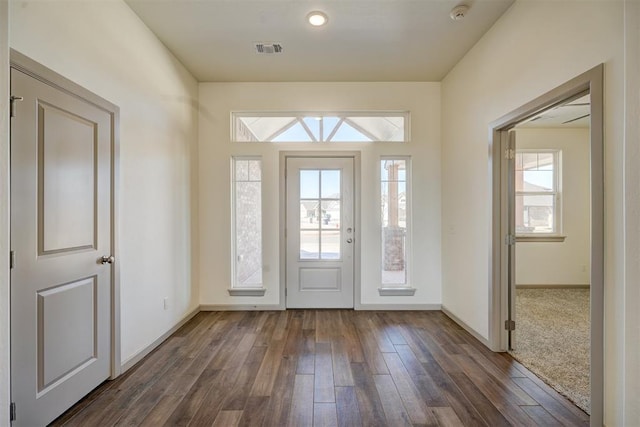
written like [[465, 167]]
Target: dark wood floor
[[324, 368]]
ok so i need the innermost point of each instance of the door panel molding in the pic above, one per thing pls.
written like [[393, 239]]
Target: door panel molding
[[589, 82], [356, 156]]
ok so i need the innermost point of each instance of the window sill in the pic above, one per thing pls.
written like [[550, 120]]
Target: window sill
[[396, 292], [247, 292], [540, 238]]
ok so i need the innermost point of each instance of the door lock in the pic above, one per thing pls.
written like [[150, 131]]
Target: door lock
[[349, 240], [107, 259]]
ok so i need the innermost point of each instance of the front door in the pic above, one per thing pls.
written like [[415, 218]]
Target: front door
[[60, 229], [320, 232]]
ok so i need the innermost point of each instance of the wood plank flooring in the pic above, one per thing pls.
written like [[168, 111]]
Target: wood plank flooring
[[324, 368]]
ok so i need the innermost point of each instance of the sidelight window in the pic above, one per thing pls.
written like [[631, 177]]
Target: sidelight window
[[394, 203], [247, 222]]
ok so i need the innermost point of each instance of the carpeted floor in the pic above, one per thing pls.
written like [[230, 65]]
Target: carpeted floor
[[552, 339]]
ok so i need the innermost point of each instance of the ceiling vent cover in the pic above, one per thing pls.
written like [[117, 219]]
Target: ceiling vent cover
[[265, 48]]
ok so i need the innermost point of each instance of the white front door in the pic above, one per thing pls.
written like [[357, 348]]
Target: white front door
[[60, 229], [320, 232]]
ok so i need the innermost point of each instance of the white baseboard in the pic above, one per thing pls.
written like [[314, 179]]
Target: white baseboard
[[405, 307], [236, 307], [466, 327], [128, 364], [566, 286]]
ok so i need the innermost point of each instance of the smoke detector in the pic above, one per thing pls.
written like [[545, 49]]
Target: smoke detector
[[268, 48], [459, 12]]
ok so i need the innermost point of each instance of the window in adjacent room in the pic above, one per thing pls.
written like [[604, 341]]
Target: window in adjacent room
[[538, 203], [247, 224]]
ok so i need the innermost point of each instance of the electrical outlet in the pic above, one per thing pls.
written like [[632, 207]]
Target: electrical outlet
[[165, 303]]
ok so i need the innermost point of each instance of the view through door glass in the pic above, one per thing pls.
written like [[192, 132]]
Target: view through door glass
[[320, 214]]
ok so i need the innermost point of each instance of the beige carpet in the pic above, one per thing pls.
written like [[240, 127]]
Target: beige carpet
[[552, 339]]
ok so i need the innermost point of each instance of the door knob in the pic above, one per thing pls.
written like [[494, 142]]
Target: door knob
[[349, 240], [107, 259]]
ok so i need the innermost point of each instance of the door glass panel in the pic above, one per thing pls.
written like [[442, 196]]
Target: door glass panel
[[320, 216], [309, 184], [330, 214], [330, 245], [309, 214], [330, 184], [309, 244]]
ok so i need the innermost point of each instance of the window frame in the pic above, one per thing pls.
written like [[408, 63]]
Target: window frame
[[397, 289], [235, 289], [557, 235], [342, 114]]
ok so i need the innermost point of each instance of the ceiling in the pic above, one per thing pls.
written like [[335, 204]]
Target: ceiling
[[364, 40], [574, 114]]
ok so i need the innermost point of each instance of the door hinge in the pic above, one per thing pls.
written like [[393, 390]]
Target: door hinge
[[509, 239], [12, 259], [510, 325], [12, 411], [509, 154], [12, 110]]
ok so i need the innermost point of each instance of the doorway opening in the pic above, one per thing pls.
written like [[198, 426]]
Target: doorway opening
[[547, 258], [320, 238]]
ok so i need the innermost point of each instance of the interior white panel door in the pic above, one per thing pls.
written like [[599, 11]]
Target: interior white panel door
[[320, 232], [60, 229]]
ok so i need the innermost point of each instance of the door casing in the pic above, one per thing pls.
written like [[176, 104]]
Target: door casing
[[355, 155], [589, 82], [40, 72]]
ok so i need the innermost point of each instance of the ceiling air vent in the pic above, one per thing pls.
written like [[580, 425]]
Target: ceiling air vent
[[268, 48]]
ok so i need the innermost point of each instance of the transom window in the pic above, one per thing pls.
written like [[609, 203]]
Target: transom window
[[320, 127], [537, 192]]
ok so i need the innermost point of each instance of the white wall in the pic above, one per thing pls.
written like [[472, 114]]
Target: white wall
[[534, 47], [219, 99], [4, 214], [103, 46], [568, 262]]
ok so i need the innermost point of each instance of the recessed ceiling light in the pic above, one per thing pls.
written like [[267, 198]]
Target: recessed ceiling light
[[317, 19]]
